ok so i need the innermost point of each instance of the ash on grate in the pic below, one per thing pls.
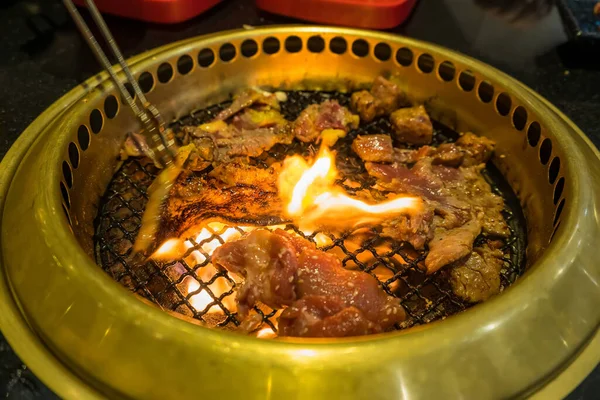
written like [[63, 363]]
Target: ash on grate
[[193, 287]]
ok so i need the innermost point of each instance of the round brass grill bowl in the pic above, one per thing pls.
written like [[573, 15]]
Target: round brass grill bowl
[[86, 336]]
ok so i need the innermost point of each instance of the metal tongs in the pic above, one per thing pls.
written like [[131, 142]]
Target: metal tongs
[[153, 126]]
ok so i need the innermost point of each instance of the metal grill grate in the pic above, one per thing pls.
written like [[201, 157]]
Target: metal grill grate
[[187, 286]]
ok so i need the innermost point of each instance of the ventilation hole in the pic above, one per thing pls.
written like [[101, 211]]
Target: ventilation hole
[[74, 155], [65, 195], [485, 91], [83, 136], [315, 44], [164, 72], [382, 51], [338, 45], [96, 121], [360, 48], [249, 48], [293, 44], [271, 45], [559, 210], [67, 174], [66, 214], [404, 56], [466, 81], [554, 232], [503, 104], [111, 106], [519, 118], [206, 58], [558, 189], [446, 71], [553, 170], [185, 64], [425, 63], [545, 151], [146, 82], [533, 133], [130, 90], [227, 52]]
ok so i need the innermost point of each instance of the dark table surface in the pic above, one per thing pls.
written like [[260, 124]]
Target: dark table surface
[[42, 57]]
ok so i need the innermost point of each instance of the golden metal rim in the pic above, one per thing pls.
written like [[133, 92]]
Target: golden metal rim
[[12, 320]]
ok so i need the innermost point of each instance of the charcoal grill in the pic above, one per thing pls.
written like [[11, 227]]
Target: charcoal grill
[[426, 298], [87, 336]]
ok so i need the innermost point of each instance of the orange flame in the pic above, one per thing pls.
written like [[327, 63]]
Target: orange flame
[[312, 200]]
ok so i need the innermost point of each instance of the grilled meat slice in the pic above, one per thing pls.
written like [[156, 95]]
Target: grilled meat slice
[[477, 149], [401, 179], [322, 316], [181, 200], [316, 118], [450, 245], [269, 265], [247, 98], [469, 150], [250, 143], [194, 200], [477, 277], [383, 98], [280, 269], [222, 142], [239, 172], [375, 148], [414, 229], [251, 119], [461, 199], [412, 125]]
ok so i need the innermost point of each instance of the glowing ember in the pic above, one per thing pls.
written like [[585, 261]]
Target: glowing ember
[[201, 299], [213, 235], [313, 200], [266, 333], [172, 248]]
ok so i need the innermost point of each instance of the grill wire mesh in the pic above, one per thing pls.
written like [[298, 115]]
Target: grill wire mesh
[[175, 285]]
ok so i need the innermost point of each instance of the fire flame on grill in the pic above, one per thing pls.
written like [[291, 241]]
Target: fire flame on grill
[[313, 201], [310, 198], [204, 244]]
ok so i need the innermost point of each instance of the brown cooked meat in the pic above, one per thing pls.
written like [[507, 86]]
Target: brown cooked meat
[[412, 125], [383, 98], [375, 148], [450, 245], [195, 200], [250, 134], [477, 149], [285, 270], [461, 199], [247, 98], [316, 118], [322, 316], [477, 277]]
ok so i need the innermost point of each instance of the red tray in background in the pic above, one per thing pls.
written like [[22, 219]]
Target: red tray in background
[[158, 11], [374, 14]]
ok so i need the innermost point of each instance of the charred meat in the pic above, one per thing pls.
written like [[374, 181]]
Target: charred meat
[[324, 298], [412, 125], [383, 98], [316, 118], [247, 98], [376, 148], [477, 277]]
